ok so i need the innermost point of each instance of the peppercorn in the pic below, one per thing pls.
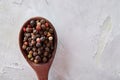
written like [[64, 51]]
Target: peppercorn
[[41, 32], [46, 41], [35, 31], [47, 28], [34, 49], [24, 29], [49, 56], [30, 44], [38, 40], [35, 61], [38, 28], [28, 49], [51, 30], [33, 37], [38, 23], [50, 38], [51, 47], [32, 59], [29, 56], [41, 48], [28, 29], [24, 47], [25, 39], [38, 58], [31, 52], [43, 26], [33, 42], [26, 43], [29, 26], [45, 33], [38, 35], [47, 49], [29, 39], [39, 52], [46, 24], [42, 21], [44, 59], [33, 23], [42, 38], [27, 34], [34, 53], [46, 53], [38, 45], [48, 34], [48, 44]]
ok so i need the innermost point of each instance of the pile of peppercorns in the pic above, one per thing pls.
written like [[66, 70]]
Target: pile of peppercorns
[[38, 40]]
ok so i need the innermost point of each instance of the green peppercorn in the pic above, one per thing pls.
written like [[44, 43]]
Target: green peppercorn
[[29, 55]]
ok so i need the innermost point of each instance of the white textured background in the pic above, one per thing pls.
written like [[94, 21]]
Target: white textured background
[[88, 33]]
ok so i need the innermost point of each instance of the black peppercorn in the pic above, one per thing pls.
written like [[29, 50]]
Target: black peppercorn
[[38, 44], [38, 58], [42, 38], [34, 53], [33, 23], [28, 49]]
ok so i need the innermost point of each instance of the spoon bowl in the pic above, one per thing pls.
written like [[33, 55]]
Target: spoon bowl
[[41, 69]]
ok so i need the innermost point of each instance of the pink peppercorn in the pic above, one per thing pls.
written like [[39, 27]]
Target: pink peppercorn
[[26, 43], [38, 28], [24, 29], [46, 24]]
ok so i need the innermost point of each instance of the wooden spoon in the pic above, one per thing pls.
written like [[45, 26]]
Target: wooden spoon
[[41, 70]]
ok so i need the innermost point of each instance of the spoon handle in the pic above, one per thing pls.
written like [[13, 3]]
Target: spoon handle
[[42, 78]]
